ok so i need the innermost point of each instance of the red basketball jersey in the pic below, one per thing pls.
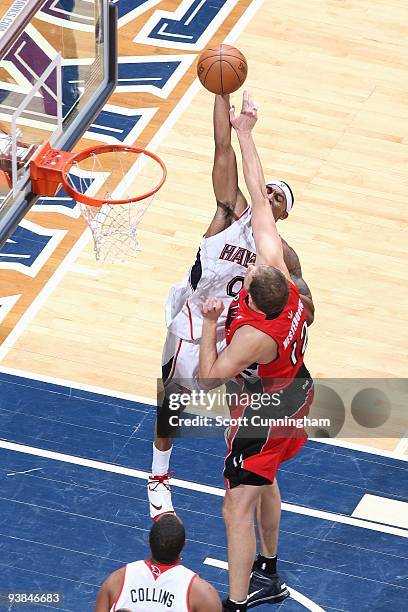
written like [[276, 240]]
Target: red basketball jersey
[[288, 328]]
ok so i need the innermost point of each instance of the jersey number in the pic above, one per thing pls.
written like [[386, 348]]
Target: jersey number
[[303, 336], [235, 285]]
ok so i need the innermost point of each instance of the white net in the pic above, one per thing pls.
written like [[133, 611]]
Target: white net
[[114, 229], [116, 175]]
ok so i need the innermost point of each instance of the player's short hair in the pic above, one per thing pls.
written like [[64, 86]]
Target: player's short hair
[[269, 289], [167, 538]]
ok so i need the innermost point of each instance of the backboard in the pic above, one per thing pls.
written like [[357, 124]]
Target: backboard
[[58, 63]]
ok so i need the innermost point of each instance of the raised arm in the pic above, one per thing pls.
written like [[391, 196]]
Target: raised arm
[[230, 201], [267, 240]]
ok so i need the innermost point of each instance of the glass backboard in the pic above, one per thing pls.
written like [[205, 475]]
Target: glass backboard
[[57, 68]]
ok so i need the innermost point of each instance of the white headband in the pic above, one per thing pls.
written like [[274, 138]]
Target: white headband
[[290, 199]]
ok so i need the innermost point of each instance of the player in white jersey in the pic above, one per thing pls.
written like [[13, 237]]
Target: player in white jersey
[[161, 583], [225, 252]]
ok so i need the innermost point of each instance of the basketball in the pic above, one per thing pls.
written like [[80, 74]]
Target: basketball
[[222, 69]]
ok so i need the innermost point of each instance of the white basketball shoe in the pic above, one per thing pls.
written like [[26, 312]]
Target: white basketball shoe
[[159, 494]]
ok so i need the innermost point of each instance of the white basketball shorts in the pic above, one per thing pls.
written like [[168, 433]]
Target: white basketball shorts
[[180, 361]]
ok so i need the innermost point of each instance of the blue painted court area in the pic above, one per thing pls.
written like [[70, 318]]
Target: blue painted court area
[[66, 524]]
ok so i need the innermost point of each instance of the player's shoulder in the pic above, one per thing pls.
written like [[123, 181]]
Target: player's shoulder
[[226, 220], [114, 582], [110, 590], [118, 575], [253, 339], [203, 596]]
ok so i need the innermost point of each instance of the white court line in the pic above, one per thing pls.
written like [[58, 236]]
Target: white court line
[[299, 597], [194, 13], [70, 384], [402, 448], [382, 510], [394, 454], [146, 6], [63, 382], [194, 486], [25, 472]]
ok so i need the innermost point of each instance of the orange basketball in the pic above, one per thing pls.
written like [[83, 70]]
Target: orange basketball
[[222, 69]]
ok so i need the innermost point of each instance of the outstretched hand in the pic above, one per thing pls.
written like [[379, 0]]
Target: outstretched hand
[[246, 119]]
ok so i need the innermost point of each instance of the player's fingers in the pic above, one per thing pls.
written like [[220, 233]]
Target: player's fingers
[[215, 304], [245, 101], [206, 305], [232, 113], [251, 103]]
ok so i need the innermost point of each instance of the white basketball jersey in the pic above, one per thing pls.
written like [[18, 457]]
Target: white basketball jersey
[[149, 587], [219, 271]]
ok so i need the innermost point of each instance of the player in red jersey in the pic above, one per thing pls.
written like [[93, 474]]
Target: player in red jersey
[[266, 332]]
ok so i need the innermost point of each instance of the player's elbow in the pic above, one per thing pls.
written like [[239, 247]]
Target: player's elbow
[[310, 317], [207, 379], [206, 384], [223, 148], [309, 309]]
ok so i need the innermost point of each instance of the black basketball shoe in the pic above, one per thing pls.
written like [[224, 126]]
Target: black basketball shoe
[[230, 606], [265, 588]]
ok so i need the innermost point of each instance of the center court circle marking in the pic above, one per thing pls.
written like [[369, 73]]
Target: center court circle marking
[[302, 599]]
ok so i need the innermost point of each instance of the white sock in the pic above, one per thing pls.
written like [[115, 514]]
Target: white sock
[[161, 461]]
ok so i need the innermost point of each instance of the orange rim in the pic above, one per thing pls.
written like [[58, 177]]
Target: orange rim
[[89, 200]]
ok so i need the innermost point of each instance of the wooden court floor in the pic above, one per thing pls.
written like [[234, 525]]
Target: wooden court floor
[[330, 80]]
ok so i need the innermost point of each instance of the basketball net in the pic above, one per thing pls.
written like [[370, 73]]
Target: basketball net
[[113, 186], [114, 229]]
